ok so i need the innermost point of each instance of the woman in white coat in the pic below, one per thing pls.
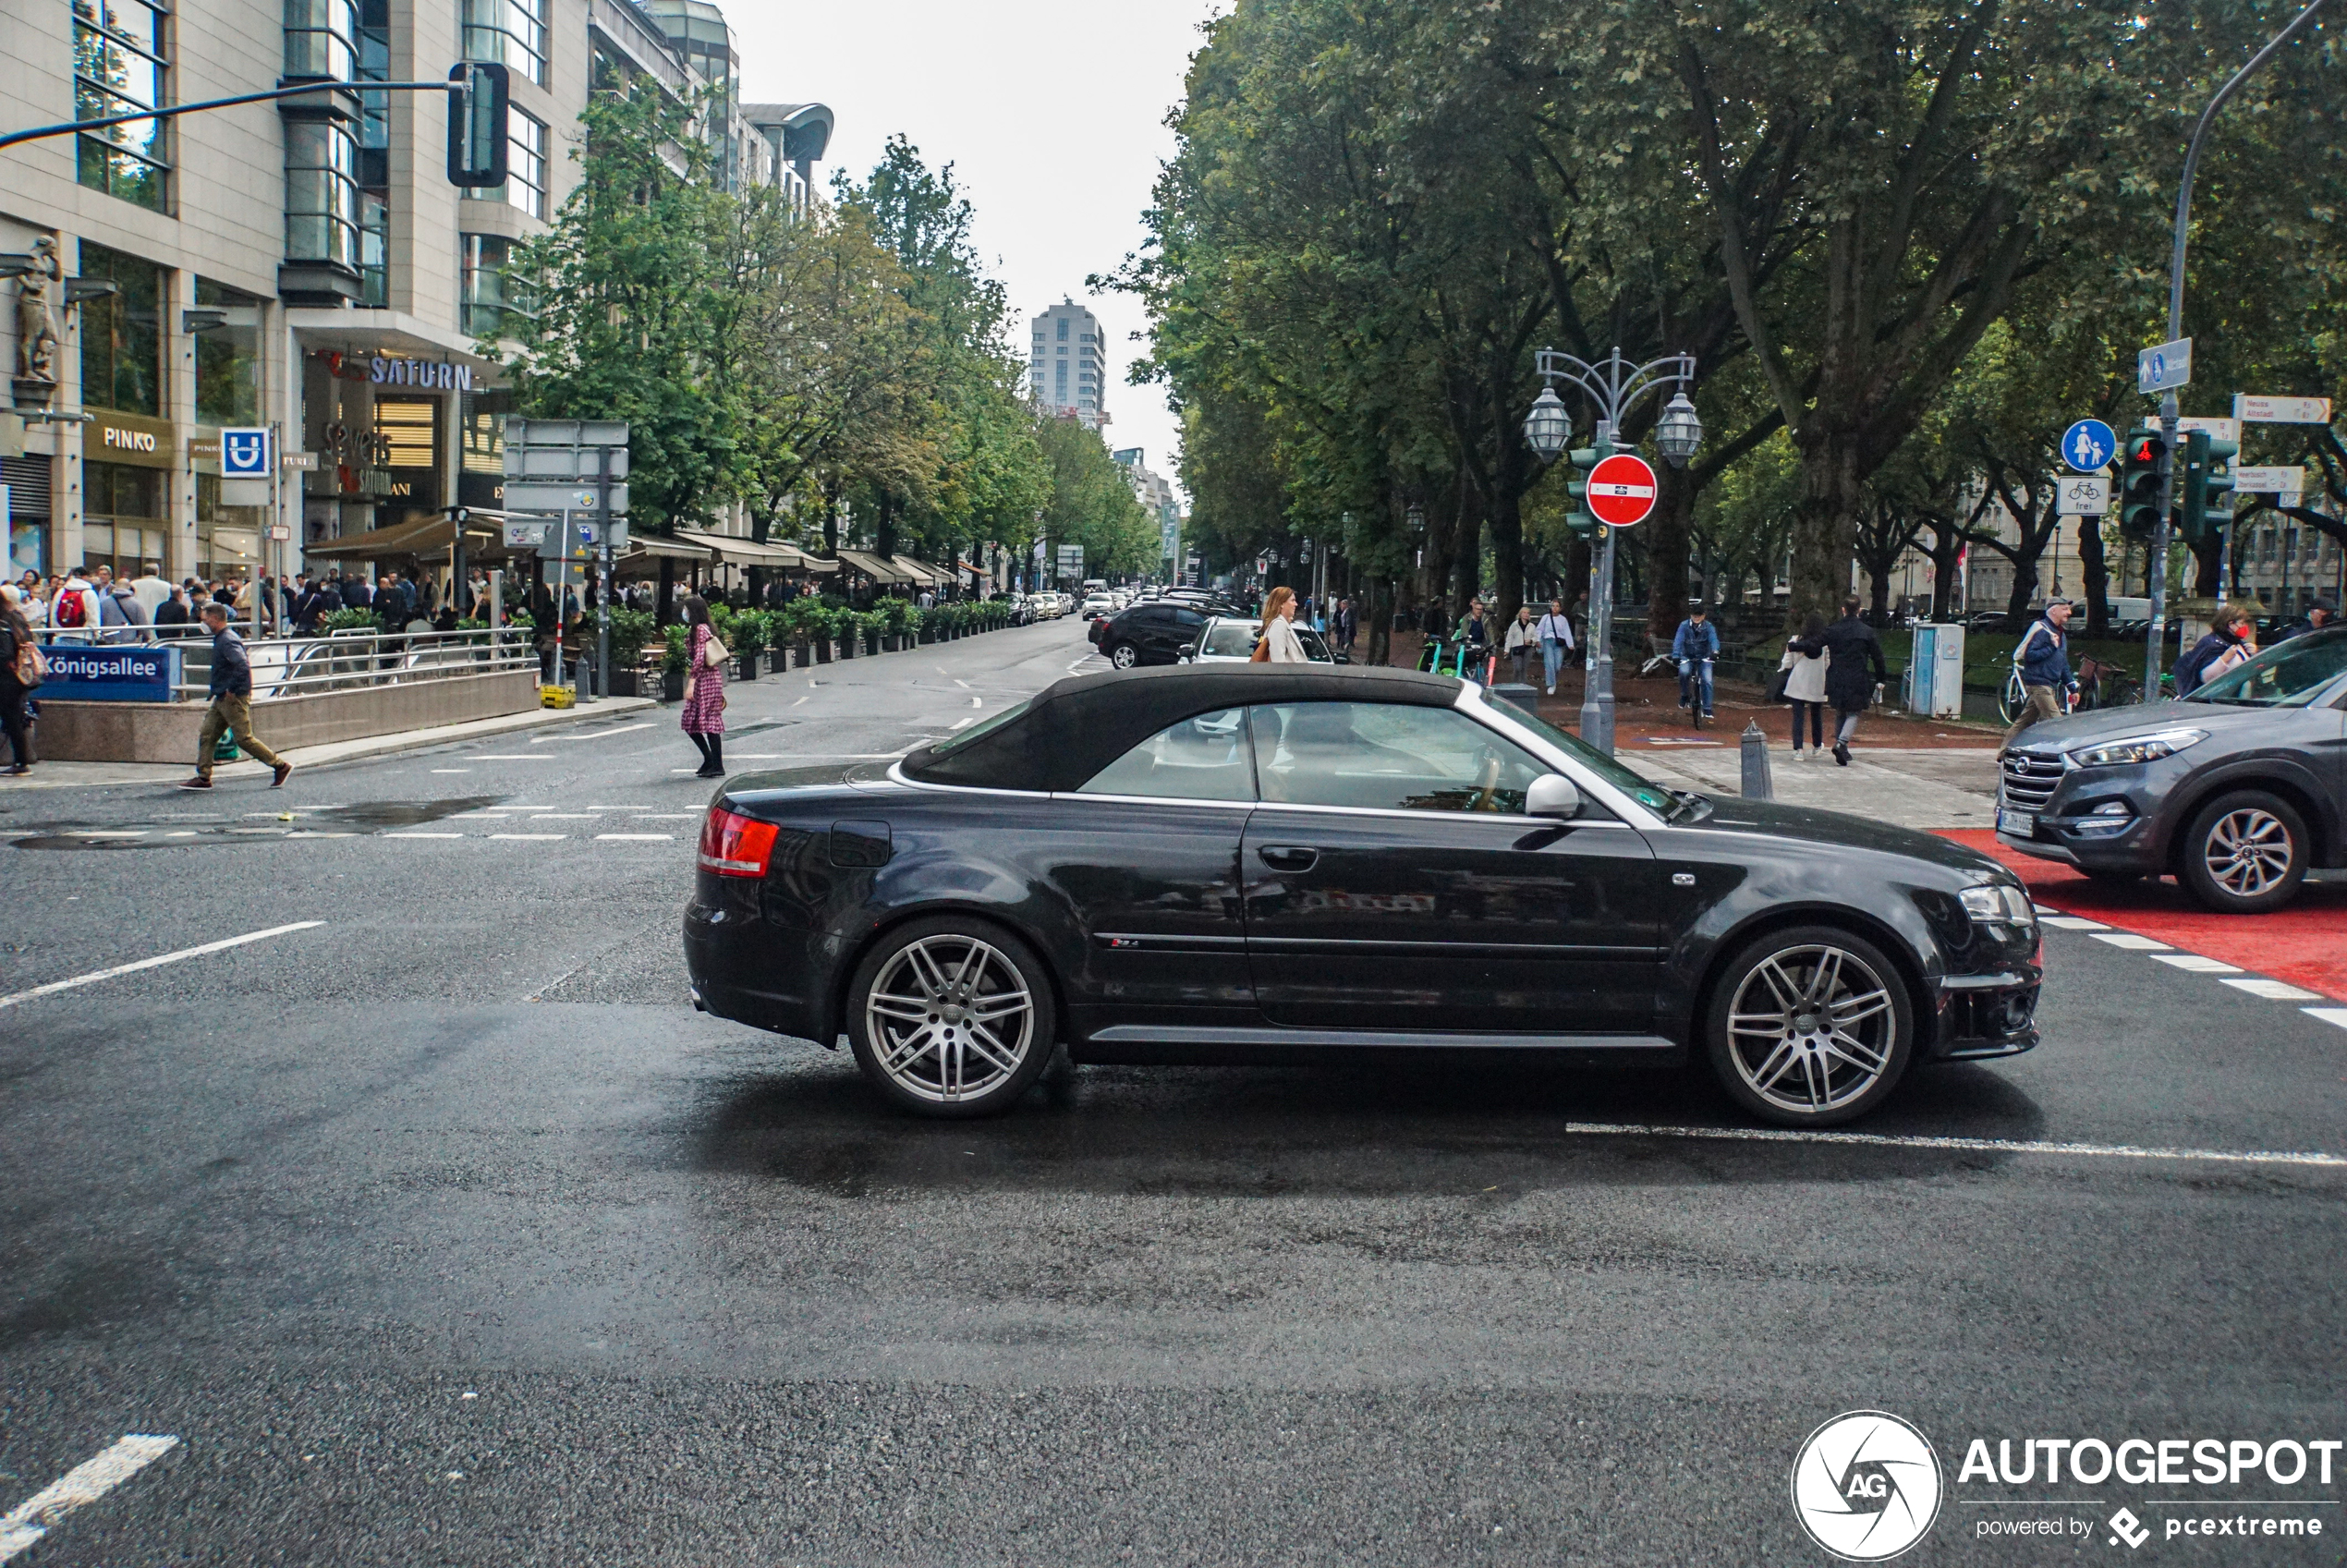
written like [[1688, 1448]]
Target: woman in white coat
[[1804, 683], [1279, 643]]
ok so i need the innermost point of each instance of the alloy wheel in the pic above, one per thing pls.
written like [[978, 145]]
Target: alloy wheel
[[1812, 1029], [2247, 851], [949, 1019], [1126, 656]]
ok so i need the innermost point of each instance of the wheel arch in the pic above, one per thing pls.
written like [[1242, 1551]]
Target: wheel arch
[[896, 919], [1893, 945], [2308, 802]]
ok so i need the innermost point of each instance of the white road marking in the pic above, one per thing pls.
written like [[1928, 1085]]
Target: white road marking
[[962, 723], [183, 833], [2070, 923], [2328, 1015], [2131, 941], [423, 836], [563, 816], [2197, 964], [599, 734], [1981, 1146], [637, 838], [795, 704], [308, 832], [107, 833], [618, 809], [156, 962], [2275, 990], [978, 702], [963, 684], [78, 1488], [531, 838], [452, 770], [514, 757]]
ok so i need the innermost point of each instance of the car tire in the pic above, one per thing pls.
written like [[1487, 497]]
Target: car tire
[[1124, 655], [922, 988], [2245, 853], [1788, 1053]]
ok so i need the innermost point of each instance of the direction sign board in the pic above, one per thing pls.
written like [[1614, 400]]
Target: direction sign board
[[244, 451], [1071, 561], [535, 496], [2270, 482], [2082, 495], [1620, 489], [2214, 427], [2258, 410], [2164, 366], [525, 533], [2087, 445]]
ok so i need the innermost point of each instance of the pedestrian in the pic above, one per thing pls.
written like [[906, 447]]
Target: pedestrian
[[75, 607], [1277, 642], [1522, 639], [1695, 645], [2320, 613], [21, 669], [231, 709], [1473, 637], [1856, 666], [2232, 626], [2042, 660], [1555, 632], [704, 717], [1804, 684], [1348, 625], [133, 611], [172, 615], [32, 604]]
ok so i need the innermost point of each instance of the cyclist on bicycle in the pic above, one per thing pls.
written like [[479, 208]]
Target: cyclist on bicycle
[[1694, 646], [2042, 660]]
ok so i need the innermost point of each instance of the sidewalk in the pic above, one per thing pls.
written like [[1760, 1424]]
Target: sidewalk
[[68, 775]]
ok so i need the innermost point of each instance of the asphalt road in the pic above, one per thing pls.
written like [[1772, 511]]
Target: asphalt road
[[442, 1231]]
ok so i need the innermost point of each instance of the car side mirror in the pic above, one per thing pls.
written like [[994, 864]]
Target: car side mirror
[[1552, 795], [1342, 657], [1187, 650]]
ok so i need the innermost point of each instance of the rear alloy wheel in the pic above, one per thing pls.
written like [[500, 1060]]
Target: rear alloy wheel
[[1810, 1028], [2246, 853], [950, 1017], [1125, 656]]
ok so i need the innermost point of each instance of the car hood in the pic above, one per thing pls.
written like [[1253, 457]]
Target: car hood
[[2113, 723], [1734, 813]]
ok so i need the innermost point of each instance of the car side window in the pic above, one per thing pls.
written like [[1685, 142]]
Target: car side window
[[1387, 757], [1230, 639], [1201, 758]]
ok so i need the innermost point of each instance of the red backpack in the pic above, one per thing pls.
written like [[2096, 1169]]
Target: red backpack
[[72, 608]]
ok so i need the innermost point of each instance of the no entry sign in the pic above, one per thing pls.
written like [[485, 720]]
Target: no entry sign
[[1620, 489]]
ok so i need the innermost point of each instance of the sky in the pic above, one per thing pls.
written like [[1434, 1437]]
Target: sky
[[1052, 113]]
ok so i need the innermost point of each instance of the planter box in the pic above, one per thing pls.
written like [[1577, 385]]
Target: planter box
[[624, 682], [872, 643], [672, 686], [802, 655], [746, 667], [822, 650], [927, 634], [847, 646]]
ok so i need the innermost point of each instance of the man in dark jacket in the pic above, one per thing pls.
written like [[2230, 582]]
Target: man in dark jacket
[[231, 709], [1694, 646], [1856, 668], [2042, 659]]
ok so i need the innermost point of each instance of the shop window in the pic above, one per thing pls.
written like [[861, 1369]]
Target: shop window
[[122, 519], [228, 538], [119, 68], [409, 428], [228, 357], [121, 342]]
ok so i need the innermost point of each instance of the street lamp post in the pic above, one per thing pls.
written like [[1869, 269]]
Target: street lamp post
[[1613, 384]]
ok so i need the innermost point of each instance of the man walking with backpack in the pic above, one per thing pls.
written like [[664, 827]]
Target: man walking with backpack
[[2042, 657], [231, 709]]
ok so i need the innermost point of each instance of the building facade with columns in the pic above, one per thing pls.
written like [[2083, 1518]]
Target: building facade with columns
[[303, 265]]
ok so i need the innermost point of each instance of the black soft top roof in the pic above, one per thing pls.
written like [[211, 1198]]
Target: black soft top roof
[[1076, 727]]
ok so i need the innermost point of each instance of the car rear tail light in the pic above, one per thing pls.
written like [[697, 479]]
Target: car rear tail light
[[735, 845]]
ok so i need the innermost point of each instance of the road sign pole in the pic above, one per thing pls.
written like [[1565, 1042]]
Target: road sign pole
[[1596, 702], [562, 587], [2156, 639]]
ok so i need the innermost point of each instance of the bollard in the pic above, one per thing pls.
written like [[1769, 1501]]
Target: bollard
[[1755, 763]]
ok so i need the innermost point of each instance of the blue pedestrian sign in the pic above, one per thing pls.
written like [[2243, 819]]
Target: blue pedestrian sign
[[2088, 446], [244, 453]]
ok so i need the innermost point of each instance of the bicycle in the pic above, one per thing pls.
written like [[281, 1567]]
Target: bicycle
[[1695, 688], [2102, 684]]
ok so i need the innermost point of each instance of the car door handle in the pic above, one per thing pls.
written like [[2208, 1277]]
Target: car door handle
[[1287, 856]]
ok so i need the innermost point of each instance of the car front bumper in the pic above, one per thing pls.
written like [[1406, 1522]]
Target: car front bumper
[[1984, 1015]]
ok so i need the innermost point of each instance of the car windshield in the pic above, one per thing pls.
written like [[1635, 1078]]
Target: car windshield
[[2289, 674], [1630, 781]]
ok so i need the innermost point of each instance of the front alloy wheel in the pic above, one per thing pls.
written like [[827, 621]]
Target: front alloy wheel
[[2246, 853], [951, 1017], [1125, 656], [1810, 1028]]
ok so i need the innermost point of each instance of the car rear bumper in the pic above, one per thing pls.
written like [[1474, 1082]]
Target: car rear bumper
[[740, 972]]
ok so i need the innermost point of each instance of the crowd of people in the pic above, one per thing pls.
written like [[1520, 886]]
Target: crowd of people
[[95, 605]]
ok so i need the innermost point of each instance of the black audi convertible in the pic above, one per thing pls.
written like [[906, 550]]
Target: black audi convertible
[[1274, 864]]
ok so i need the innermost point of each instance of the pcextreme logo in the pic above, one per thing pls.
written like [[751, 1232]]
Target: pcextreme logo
[[1866, 1485]]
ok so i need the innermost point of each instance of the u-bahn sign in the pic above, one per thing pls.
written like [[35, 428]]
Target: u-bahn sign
[[1620, 489]]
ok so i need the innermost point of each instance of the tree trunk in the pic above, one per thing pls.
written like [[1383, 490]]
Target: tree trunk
[[2024, 589], [1381, 595], [1824, 526], [2096, 572], [1507, 550], [1667, 537]]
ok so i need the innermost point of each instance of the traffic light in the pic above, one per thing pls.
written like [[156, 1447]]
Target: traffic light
[[1584, 458], [2206, 493], [478, 109], [2139, 476]]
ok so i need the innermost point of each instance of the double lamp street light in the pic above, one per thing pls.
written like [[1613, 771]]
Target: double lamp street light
[[1612, 384]]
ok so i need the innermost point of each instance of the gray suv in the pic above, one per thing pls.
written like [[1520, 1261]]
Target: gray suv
[[2238, 790]]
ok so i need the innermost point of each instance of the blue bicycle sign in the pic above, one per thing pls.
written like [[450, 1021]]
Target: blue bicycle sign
[[2087, 445]]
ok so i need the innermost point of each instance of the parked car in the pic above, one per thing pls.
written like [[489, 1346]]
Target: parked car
[[1289, 864], [1147, 634], [2237, 790], [1097, 604], [1230, 640]]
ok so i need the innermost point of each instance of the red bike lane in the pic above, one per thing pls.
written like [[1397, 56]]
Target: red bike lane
[[2305, 943]]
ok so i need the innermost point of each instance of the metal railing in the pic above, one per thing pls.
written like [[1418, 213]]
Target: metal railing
[[300, 666]]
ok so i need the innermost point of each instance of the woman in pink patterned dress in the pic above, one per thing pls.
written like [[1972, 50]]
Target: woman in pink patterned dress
[[704, 720]]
